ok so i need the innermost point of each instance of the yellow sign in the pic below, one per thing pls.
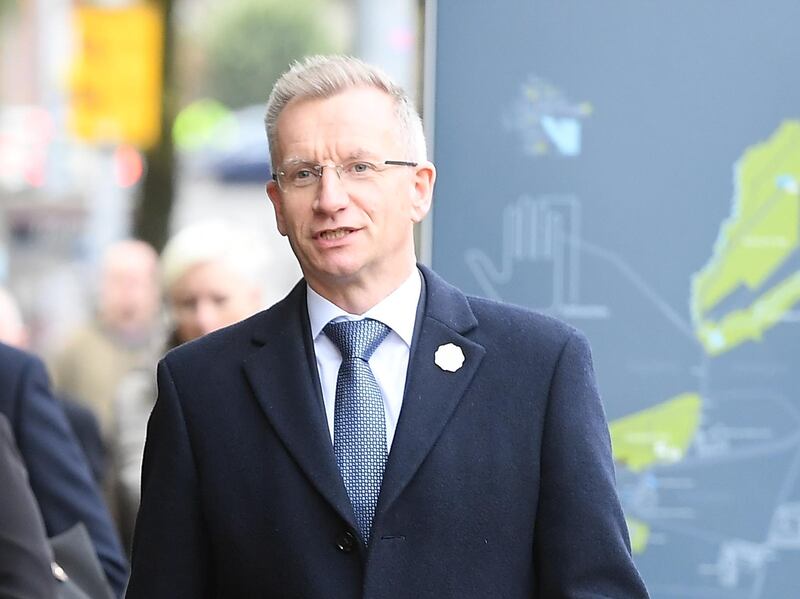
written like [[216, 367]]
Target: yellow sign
[[116, 77]]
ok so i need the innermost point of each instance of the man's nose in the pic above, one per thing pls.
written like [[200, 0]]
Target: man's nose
[[331, 194]]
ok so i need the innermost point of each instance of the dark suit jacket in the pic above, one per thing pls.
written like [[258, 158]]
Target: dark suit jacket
[[24, 553], [58, 472], [499, 483], [86, 428]]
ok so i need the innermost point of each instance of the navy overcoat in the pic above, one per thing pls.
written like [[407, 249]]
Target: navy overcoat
[[499, 484]]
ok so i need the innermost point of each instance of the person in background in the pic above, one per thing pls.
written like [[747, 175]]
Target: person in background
[[25, 556], [213, 275], [124, 335], [58, 472], [377, 433]]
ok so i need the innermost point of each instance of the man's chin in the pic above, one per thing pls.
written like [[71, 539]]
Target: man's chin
[[335, 274], [341, 275]]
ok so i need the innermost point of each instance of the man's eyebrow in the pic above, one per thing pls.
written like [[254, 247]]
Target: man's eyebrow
[[356, 154], [293, 161], [360, 153]]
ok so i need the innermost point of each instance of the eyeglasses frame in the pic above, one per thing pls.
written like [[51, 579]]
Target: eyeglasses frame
[[338, 169]]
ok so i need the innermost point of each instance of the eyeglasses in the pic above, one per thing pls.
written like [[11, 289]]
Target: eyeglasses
[[305, 176]]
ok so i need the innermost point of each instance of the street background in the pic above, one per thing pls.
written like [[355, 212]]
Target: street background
[[124, 118]]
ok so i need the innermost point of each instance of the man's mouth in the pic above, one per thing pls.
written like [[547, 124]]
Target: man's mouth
[[334, 234]]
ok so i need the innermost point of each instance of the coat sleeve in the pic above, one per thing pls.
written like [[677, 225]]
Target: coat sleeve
[[171, 557], [58, 471], [582, 547], [24, 553]]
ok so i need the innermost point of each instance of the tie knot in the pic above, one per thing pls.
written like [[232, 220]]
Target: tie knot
[[356, 338]]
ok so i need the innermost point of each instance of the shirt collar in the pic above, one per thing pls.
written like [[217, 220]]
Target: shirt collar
[[398, 310]]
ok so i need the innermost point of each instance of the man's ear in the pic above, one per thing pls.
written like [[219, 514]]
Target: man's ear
[[424, 180], [275, 196]]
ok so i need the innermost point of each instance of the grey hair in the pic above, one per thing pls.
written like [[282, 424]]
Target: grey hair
[[213, 241], [326, 76]]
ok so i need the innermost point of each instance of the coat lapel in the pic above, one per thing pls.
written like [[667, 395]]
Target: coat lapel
[[284, 379], [432, 394]]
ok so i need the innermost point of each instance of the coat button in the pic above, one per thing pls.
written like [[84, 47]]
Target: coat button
[[346, 542]]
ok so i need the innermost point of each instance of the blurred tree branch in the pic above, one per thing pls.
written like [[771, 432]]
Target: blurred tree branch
[[151, 218]]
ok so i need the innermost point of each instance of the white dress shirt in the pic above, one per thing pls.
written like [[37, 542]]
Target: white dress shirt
[[389, 363]]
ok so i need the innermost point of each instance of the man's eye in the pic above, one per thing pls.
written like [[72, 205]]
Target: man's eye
[[303, 173], [219, 300], [186, 304], [361, 168]]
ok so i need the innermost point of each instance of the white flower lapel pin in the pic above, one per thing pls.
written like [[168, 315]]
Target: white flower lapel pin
[[449, 357]]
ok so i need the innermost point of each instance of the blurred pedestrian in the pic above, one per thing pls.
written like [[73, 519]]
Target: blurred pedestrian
[[59, 474], [213, 275], [124, 335]]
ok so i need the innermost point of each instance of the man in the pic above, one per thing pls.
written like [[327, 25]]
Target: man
[[441, 446], [125, 334], [58, 472]]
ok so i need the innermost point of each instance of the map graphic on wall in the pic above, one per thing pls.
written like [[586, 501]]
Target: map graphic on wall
[[633, 176]]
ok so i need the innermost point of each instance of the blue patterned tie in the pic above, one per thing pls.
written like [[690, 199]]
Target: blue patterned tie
[[359, 425]]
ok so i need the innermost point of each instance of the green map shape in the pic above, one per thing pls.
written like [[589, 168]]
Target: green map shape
[[639, 533], [657, 435], [759, 236]]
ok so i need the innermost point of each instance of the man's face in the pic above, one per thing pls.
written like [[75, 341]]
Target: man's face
[[345, 235], [129, 293]]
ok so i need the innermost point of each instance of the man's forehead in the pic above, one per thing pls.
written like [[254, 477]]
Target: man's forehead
[[355, 123]]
